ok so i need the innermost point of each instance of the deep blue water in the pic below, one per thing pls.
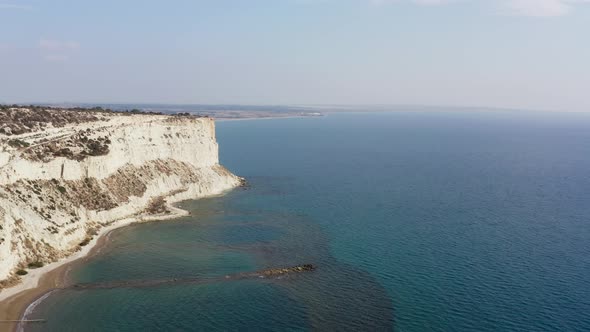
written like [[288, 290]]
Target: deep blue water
[[417, 221]]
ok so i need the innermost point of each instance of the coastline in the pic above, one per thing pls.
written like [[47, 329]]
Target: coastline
[[15, 300]]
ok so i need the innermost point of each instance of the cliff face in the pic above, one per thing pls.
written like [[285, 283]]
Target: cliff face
[[60, 185]]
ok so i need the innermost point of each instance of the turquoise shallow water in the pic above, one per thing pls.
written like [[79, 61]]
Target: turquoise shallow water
[[417, 221]]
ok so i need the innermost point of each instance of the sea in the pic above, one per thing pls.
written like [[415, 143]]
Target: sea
[[454, 220]]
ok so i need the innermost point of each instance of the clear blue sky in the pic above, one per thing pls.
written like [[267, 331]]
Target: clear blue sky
[[502, 53]]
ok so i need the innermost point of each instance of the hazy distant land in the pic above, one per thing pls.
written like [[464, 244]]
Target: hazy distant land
[[213, 111]]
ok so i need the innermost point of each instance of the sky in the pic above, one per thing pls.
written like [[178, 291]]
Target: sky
[[526, 54]]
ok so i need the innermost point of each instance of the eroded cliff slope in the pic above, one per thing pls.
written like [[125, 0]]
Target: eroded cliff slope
[[60, 184]]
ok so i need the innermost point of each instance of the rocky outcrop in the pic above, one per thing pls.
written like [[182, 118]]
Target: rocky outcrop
[[60, 185]]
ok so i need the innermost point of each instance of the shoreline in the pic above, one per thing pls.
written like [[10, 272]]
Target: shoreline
[[15, 300]]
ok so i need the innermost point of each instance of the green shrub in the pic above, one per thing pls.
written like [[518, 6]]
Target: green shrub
[[17, 143], [22, 272], [157, 205], [35, 265]]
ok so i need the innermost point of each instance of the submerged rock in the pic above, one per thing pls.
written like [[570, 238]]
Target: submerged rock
[[283, 271], [269, 273]]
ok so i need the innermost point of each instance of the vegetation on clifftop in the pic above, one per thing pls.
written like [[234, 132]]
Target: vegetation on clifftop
[[21, 119]]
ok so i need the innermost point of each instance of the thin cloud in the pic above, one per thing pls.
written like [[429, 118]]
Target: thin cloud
[[15, 6], [540, 8], [58, 45], [418, 2], [56, 50], [56, 57], [533, 8]]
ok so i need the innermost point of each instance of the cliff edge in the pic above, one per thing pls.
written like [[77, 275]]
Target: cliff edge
[[66, 174]]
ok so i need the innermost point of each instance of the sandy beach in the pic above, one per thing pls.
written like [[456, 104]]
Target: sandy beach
[[15, 300]]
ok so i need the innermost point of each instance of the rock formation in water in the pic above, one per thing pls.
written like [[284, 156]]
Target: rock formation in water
[[65, 174]]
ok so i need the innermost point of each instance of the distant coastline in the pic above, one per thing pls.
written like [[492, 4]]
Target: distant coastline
[[218, 112]]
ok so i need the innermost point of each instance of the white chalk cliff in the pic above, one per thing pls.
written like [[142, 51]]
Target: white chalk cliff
[[55, 196]]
